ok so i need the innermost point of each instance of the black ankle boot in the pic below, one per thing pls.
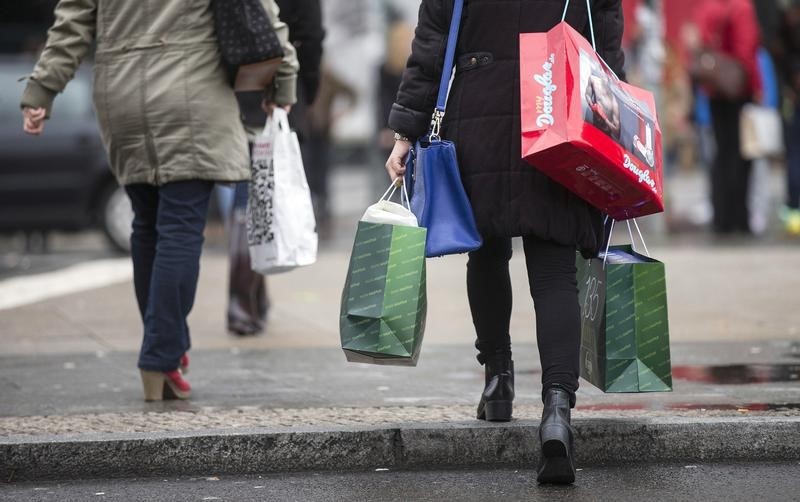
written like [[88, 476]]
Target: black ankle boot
[[498, 395], [557, 463]]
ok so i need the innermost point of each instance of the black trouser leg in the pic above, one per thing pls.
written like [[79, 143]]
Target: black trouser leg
[[489, 292], [793, 160], [554, 288], [551, 274], [730, 174]]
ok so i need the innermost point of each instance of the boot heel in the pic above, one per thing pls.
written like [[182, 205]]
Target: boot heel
[[498, 411], [557, 464], [153, 382], [555, 433], [554, 448]]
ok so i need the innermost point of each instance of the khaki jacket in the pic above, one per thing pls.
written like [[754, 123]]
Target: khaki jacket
[[165, 110]]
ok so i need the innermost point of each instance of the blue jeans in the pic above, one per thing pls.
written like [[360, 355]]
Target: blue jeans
[[240, 195], [166, 243]]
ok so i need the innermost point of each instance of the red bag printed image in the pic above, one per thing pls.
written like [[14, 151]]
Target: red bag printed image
[[586, 129]]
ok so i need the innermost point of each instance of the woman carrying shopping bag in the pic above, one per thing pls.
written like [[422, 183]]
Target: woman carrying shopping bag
[[509, 197], [170, 124]]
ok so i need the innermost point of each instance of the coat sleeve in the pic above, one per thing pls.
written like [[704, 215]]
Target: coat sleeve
[[68, 41], [416, 98], [608, 26], [284, 88], [306, 34], [746, 39]]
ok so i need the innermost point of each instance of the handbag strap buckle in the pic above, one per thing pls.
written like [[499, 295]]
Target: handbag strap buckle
[[436, 125]]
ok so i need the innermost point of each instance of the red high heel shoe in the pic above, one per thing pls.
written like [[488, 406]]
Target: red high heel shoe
[[160, 385], [184, 364]]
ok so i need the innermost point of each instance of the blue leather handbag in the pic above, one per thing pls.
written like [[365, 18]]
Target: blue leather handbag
[[438, 199]]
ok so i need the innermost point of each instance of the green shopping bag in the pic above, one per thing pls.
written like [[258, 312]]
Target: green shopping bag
[[384, 301], [624, 325]]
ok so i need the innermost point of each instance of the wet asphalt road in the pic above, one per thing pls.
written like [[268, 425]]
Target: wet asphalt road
[[710, 482]]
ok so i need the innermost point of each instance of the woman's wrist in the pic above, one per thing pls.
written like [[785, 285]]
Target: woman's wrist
[[401, 137]]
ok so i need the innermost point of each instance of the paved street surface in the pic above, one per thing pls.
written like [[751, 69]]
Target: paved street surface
[[70, 332], [778, 482], [83, 393]]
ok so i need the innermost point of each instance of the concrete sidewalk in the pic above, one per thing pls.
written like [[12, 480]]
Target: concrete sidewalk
[[71, 403], [724, 293], [70, 397]]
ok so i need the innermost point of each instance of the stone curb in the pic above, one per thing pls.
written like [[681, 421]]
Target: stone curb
[[473, 444]]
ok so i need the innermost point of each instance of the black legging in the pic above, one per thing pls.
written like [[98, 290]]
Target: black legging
[[551, 276], [730, 174]]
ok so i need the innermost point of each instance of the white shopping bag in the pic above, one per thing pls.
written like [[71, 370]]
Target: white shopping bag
[[761, 132], [280, 218]]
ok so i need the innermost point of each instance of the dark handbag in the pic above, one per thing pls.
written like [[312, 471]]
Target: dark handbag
[[438, 199], [722, 74], [250, 49]]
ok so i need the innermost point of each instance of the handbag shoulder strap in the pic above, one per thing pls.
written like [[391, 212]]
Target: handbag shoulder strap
[[449, 56], [447, 68]]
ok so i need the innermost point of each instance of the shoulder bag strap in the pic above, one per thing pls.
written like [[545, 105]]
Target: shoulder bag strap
[[447, 69]]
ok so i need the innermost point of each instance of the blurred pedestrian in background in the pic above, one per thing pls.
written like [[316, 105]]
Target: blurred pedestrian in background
[[398, 47], [248, 298], [509, 197], [789, 63], [334, 97], [170, 124], [306, 33], [727, 30]]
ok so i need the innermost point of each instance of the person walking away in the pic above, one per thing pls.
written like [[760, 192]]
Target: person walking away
[[729, 27], [789, 62], [509, 197], [399, 35], [306, 33], [334, 98], [170, 125], [248, 299]]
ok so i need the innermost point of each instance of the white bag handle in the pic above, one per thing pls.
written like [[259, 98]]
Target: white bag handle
[[591, 23], [281, 118], [389, 193], [387, 212], [630, 233], [277, 119]]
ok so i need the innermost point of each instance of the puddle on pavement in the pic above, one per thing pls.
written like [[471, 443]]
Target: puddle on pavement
[[731, 374], [738, 374], [743, 408]]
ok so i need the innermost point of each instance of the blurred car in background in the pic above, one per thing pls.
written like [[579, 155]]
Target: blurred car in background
[[61, 179]]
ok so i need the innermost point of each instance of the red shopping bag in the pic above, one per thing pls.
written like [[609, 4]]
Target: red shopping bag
[[586, 129]]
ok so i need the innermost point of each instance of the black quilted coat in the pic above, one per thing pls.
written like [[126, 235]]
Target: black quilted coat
[[509, 197]]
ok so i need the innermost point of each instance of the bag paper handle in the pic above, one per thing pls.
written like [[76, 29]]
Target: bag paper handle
[[389, 193], [630, 234], [591, 23]]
